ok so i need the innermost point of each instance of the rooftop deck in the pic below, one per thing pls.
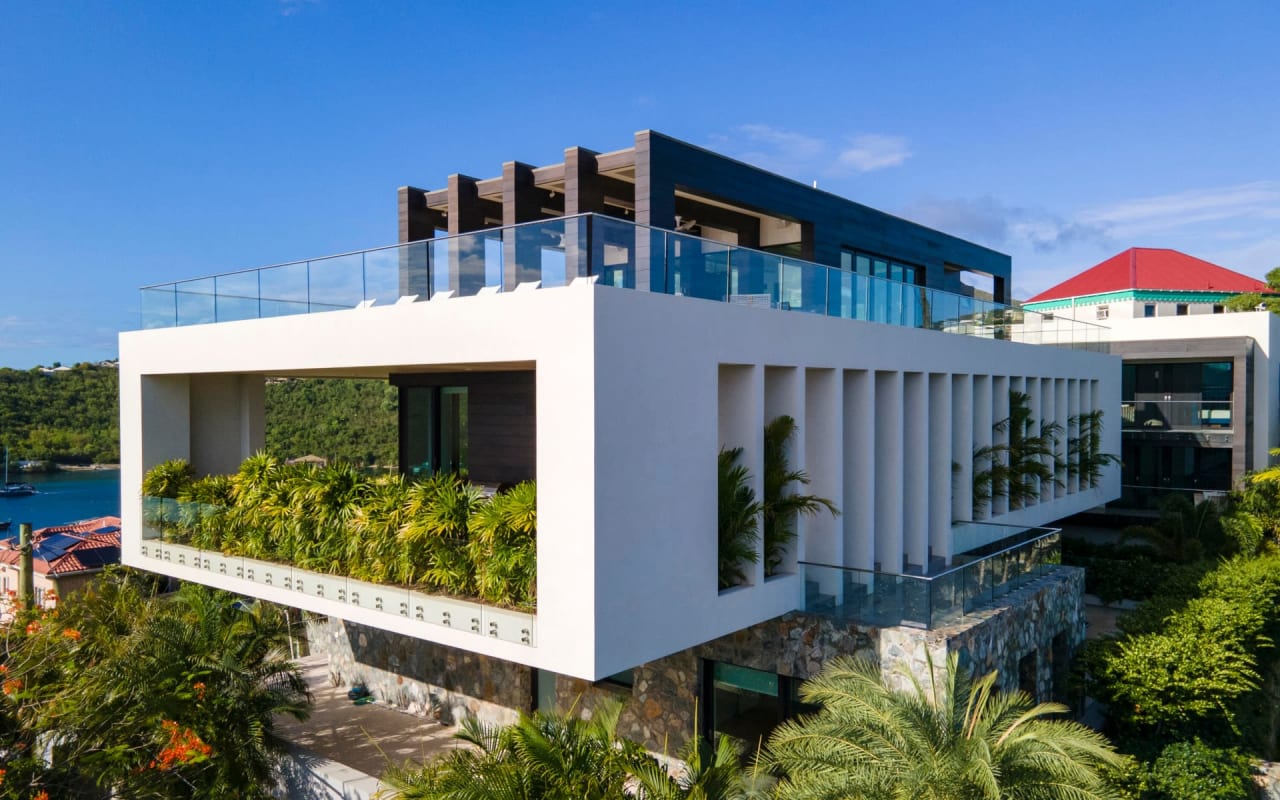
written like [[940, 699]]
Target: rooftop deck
[[610, 251]]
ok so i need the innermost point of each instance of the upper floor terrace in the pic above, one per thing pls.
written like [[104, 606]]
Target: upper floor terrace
[[610, 252]]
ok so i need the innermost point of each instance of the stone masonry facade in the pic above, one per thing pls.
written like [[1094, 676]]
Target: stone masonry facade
[[1026, 636]]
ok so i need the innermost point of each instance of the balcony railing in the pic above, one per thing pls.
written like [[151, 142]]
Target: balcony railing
[[616, 253], [1176, 415], [931, 601]]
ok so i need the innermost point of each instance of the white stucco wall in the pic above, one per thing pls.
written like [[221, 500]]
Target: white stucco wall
[[636, 394]]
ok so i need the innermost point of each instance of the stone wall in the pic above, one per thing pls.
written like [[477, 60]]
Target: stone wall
[[660, 705], [421, 677]]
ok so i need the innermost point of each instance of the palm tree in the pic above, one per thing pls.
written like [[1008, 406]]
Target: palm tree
[[738, 519], [542, 757], [956, 738], [780, 506], [1018, 467], [1085, 456]]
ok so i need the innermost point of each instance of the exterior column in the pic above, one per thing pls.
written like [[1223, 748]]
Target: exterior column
[[888, 471], [466, 254], [583, 193], [1031, 386], [999, 411], [417, 222], [981, 432], [858, 517], [1048, 416], [962, 415], [915, 474], [521, 250], [823, 434], [1061, 414], [784, 395], [655, 206], [939, 474]]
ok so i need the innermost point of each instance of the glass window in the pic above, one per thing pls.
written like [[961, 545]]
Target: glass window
[[1217, 309], [846, 261], [1104, 312], [453, 428], [864, 265], [1181, 309], [417, 436], [880, 268], [1149, 310], [895, 272]]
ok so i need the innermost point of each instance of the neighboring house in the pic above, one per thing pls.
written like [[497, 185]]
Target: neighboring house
[[563, 330], [1201, 388], [65, 557]]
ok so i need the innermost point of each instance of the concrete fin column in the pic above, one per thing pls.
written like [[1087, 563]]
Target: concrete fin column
[[1000, 412], [1061, 412], [962, 444], [784, 396], [939, 473], [521, 248], [741, 424], [858, 520], [915, 471], [823, 436], [1073, 416], [981, 433], [1031, 386], [1048, 416], [888, 475]]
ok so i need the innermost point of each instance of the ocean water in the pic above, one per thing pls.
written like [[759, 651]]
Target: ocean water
[[63, 497]]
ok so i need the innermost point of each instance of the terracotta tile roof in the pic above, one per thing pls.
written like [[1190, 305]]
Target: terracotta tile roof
[[1152, 268], [76, 547]]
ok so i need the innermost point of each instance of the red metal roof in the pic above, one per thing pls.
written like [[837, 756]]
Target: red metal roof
[[1152, 268]]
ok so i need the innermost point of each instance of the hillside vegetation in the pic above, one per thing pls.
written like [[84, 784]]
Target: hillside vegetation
[[73, 417]]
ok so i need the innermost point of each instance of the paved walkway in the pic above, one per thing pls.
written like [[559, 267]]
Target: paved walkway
[[365, 738]]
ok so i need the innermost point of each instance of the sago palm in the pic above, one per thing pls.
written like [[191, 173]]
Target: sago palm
[[953, 739]]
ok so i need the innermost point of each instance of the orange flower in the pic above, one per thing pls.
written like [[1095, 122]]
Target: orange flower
[[185, 747], [33, 627], [72, 634], [43, 795], [199, 688], [1, 776], [12, 685]]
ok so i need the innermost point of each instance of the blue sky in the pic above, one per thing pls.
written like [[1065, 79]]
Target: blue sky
[[146, 142]]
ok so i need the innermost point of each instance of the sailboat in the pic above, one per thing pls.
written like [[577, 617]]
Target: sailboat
[[14, 489]]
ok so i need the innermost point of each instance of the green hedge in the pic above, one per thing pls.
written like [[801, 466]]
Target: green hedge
[[440, 534]]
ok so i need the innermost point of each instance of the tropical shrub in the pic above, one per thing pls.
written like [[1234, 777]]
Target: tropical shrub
[[143, 697], [1195, 771], [1019, 466], [738, 519], [439, 533], [1084, 451]]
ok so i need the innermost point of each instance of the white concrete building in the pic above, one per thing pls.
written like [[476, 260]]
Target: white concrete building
[[628, 395], [1200, 385]]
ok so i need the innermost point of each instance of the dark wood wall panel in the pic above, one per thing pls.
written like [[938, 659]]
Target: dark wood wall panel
[[501, 418]]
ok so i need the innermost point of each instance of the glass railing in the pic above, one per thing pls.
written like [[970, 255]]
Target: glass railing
[[617, 253], [1174, 415], [171, 529], [930, 601], [1152, 498]]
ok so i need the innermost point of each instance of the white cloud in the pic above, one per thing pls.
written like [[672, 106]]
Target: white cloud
[[1258, 200], [874, 151], [995, 224], [804, 157], [290, 7]]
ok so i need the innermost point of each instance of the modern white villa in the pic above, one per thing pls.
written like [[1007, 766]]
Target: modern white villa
[[610, 349]]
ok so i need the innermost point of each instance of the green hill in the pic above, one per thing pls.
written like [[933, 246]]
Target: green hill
[[72, 417]]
